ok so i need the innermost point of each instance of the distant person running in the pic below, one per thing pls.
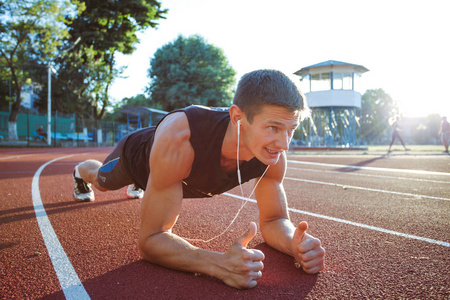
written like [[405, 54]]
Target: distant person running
[[199, 152], [444, 133], [396, 134]]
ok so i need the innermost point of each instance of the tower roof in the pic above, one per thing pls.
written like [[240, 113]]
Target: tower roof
[[305, 70]]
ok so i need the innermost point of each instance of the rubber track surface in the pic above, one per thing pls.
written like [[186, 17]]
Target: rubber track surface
[[356, 212]]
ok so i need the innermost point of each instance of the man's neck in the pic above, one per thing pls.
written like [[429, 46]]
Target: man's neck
[[229, 150]]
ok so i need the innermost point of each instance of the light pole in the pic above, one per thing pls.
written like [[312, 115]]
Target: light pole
[[49, 96], [49, 106]]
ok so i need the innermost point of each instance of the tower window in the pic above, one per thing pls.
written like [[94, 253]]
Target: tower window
[[320, 82]]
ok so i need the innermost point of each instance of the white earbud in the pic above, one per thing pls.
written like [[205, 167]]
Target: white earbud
[[237, 155], [238, 127]]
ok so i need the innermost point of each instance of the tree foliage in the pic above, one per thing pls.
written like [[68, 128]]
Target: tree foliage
[[37, 33], [190, 71], [138, 100], [31, 31], [376, 109], [104, 29], [79, 80]]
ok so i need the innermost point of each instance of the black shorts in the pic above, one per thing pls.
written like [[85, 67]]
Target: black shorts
[[113, 174]]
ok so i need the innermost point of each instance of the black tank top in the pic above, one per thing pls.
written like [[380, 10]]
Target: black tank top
[[207, 178]]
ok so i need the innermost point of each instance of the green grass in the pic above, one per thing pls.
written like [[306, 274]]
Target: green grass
[[376, 150], [416, 148]]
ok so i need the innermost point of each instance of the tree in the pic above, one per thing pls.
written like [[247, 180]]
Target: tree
[[376, 109], [79, 82], [138, 100], [105, 28], [31, 31], [190, 71], [5, 88]]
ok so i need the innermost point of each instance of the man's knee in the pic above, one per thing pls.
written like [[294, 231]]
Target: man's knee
[[88, 170]]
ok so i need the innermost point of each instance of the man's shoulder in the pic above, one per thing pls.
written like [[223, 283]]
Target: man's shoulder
[[201, 109], [174, 125], [196, 112], [172, 148]]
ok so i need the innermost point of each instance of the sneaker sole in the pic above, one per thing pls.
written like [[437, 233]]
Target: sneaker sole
[[84, 199], [132, 197]]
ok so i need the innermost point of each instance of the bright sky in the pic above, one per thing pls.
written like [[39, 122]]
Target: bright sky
[[405, 44]]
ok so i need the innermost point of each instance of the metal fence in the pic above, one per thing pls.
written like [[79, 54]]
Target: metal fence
[[66, 130], [336, 127], [330, 127]]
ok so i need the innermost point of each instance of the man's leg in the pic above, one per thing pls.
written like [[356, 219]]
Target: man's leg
[[88, 171], [401, 141], [83, 177], [392, 141], [112, 173], [445, 141]]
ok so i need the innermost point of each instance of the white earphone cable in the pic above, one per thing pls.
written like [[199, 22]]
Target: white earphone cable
[[244, 202]]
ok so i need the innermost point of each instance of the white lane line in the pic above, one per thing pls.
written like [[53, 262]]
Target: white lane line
[[68, 278], [17, 172], [15, 156], [422, 172], [367, 189], [409, 236], [33, 154], [369, 175]]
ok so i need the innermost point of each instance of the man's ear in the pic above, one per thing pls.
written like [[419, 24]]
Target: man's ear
[[236, 114]]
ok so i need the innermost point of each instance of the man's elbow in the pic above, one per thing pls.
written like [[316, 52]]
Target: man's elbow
[[146, 246]]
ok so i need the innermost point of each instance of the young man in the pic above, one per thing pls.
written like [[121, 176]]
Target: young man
[[201, 152], [396, 134]]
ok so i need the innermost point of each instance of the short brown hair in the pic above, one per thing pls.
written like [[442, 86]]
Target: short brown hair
[[268, 87]]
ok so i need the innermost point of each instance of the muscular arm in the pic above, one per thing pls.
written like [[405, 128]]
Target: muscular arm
[[276, 227], [171, 161]]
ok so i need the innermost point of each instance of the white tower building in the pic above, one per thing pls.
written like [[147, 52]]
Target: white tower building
[[332, 90]]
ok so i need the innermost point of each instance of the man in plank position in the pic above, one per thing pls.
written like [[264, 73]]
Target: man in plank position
[[199, 152]]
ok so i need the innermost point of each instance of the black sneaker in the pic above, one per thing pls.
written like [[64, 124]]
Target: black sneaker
[[82, 190]]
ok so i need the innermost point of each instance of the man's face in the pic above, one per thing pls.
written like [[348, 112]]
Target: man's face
[[270, 133]]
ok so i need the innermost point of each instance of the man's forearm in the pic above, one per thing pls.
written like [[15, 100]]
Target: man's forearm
[[171, 251], [237, 267], [278, 234]]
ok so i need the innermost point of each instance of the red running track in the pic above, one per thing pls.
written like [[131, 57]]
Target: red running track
[[384, 225]]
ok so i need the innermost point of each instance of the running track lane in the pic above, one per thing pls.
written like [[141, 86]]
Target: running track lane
[[74, 289], [367, 278], [68, 278]]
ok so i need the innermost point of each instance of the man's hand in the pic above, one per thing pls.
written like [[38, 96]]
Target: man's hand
[[241, 267], [307, 250]]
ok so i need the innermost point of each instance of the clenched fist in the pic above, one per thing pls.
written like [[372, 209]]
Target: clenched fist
[[307, 250]]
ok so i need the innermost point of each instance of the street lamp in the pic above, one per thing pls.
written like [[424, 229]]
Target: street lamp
[[49, 106], [49, 97]]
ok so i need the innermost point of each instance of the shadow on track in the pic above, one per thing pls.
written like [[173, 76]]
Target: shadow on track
[[24, 213], [142, 280], [361, 164]]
